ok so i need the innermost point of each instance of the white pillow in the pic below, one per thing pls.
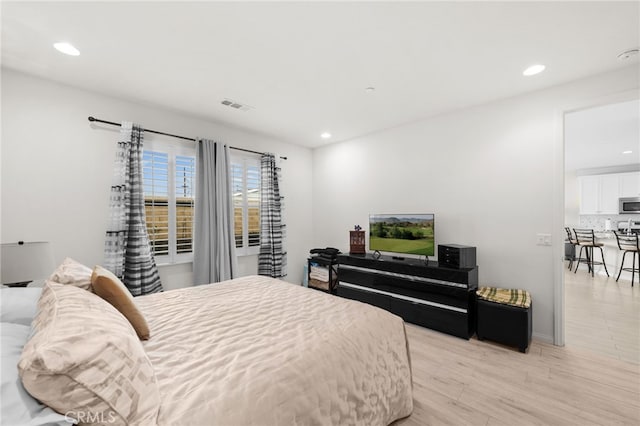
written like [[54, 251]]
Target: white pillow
[[85, 358], [19, 304], [73, 273], [18, 407]]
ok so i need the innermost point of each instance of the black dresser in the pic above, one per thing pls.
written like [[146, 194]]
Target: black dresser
[[441, 298]]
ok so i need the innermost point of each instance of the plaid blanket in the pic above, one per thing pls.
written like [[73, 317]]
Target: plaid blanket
[[506, 296]]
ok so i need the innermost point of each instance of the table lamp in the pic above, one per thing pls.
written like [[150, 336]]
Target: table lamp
[[24, 262]]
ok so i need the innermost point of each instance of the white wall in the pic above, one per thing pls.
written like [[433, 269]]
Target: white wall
[[57, 167], [571, 199], [486, 172]]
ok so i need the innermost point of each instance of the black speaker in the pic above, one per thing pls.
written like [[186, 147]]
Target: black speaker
[[456, 256]]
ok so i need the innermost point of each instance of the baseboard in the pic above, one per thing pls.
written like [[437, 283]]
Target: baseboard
[[542, 337]]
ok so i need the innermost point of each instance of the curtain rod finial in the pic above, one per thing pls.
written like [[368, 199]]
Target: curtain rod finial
[[91, 118]]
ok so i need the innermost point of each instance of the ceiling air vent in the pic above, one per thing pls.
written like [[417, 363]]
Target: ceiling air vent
[[236, 105]]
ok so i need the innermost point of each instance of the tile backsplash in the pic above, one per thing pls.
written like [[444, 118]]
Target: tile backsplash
[[597, 221]]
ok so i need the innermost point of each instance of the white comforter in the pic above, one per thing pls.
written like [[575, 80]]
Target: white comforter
[[264, 352]]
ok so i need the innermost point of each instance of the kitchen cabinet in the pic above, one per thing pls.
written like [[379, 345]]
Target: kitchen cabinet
[[599, 194], [609, 194], [589, 194], [630, 184]]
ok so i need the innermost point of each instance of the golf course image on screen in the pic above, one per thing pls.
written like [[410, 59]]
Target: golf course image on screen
[[402, 233]]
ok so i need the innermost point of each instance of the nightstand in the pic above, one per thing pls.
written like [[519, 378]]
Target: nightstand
[[323, 274]]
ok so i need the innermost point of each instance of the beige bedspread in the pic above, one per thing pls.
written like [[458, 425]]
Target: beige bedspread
[[265, 352]]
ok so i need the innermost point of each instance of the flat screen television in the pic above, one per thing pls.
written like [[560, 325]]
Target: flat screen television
[[402, 233]]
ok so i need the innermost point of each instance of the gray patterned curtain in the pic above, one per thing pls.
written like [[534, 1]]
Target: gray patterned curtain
[[127, 250], [272, 260]]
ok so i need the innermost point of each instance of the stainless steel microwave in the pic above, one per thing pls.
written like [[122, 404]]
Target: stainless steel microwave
[[629, 205]]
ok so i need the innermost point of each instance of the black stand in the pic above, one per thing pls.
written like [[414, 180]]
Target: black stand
[[20, 284], [430, 295]]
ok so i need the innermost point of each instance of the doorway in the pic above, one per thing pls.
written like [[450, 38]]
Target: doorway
[[601, 153]]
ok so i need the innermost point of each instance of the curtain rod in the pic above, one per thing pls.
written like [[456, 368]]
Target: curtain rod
[[173, 136]]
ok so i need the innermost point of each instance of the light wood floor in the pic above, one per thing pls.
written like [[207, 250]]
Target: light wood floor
[[602, 315], [460, 382]]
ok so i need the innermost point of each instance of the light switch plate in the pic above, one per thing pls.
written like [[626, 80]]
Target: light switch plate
[[543, 239]]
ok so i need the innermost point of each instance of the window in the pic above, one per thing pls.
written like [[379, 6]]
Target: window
[[169, 198], [245, 176]]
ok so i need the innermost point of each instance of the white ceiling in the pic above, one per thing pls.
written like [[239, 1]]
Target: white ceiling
[[303, 66], [597, 137]]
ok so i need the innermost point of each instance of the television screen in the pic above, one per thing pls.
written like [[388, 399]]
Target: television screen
[[402, 233]]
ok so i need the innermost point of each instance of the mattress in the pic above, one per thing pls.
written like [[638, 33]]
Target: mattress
[[259, 351]]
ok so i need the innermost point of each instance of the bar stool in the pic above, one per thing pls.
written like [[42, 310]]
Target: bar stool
[[628, 243], [586, 239], [570, 240]]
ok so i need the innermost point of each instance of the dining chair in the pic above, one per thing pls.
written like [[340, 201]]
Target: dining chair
[[586, 239], [571, 257], [629, 244]]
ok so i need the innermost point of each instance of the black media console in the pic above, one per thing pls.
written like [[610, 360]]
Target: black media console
[[441, 298]]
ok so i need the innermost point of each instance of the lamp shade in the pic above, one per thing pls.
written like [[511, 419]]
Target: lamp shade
[[22, 262]]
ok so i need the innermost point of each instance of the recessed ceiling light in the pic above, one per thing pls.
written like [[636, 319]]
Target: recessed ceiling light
[[370, 89], [533, 70], [66, 48], [627, 152], [325, 135]]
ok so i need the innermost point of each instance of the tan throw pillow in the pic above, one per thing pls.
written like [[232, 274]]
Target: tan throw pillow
[[106, 285], [73, 273], [85, 361]]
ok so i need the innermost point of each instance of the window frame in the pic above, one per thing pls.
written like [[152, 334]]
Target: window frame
[[246, 159], [173, 149]]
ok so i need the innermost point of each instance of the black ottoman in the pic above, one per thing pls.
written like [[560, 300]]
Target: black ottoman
[[504, 323]]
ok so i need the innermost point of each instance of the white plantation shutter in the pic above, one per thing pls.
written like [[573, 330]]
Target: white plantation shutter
[[155, 172], [245, 175], [169, 190], [237, 188], [253, 204], [185, 199]]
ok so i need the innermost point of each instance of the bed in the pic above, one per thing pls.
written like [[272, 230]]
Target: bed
[[249, 351]]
